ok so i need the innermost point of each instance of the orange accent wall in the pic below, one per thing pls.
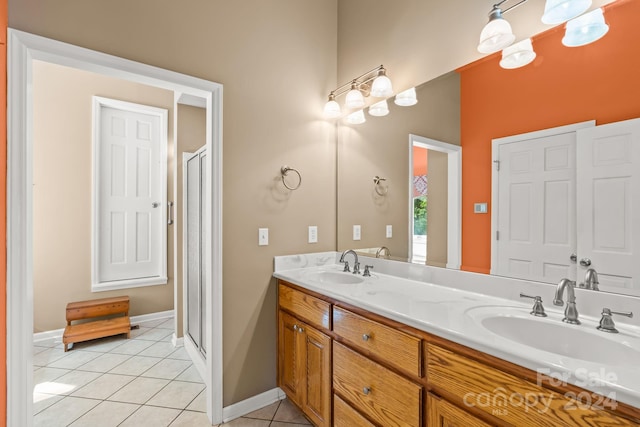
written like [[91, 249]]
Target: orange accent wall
[[3, 210], [563, 85], [420, 162]]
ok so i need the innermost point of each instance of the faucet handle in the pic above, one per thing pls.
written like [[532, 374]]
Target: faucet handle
[[356, 267], [367, 273], [538, 309], [346, 266], [607, 324]]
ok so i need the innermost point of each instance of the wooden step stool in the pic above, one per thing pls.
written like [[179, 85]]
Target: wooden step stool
[[96, 328]]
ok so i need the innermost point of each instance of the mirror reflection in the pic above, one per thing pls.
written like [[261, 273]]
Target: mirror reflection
[[469, 108]]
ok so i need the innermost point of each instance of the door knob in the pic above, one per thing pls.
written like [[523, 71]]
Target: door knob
[[585, 262]]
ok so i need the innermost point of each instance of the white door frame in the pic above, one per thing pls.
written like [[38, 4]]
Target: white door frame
[[495, 151], [454, 195], [23, 49]]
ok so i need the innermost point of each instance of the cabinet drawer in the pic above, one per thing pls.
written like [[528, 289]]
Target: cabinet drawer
[[386, 397], [311, 309], [514, 400], [345, 416], [400, 350]]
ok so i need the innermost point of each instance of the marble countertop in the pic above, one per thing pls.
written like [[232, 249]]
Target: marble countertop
[[457, 315]]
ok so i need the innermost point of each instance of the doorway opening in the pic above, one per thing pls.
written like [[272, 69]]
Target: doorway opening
[[24, 49]]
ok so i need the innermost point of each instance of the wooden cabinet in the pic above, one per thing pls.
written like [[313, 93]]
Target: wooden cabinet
[[386, 374], [441, 413], [394, 347], [304, 367], [386, 397]]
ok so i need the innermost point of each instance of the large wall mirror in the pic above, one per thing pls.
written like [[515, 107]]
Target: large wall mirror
[[470, 108]]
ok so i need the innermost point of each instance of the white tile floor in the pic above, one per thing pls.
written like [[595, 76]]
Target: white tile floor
[[137, 382]]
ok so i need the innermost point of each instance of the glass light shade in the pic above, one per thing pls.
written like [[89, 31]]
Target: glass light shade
[[559, 11], [406, 98], [356, 118], [496, 35], [354, 99], [332, 109], [381, 87], [585, 29], [379, 109], [518, 55]]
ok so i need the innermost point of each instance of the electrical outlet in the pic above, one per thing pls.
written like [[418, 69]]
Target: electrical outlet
[[313, 234], [356, 232], [263, 236], [389, 231]]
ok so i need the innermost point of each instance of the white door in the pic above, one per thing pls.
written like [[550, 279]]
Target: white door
[[130, 191], [608, 196], [536, 208]]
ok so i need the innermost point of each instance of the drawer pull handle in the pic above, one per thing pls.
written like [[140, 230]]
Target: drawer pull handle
[[365, 337], [366, 390]]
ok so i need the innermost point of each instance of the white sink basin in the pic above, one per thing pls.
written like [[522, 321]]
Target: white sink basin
[[582, 342], [334, 277]]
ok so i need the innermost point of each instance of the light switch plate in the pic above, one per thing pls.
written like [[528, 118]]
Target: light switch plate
[[480, 208], [356, 232], [313, 234], [389, 231], [263, 236]]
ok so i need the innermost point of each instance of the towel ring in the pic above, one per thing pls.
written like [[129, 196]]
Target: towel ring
[[284, 170], [382, 191]]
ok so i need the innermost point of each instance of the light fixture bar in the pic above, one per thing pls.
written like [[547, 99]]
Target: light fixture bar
[[370, 75]]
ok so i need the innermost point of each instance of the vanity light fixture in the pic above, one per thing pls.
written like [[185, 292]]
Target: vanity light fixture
[[585, 29], [518, 55], [354, 98], [559, 11], [379, 109], [374, 82], [406, 98], [497, 34], [356, 118], [332, 108]]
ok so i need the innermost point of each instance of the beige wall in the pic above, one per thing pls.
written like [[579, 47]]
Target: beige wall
[[437, 199], [62, 191], [380, 146], [191, 136], [277, 62]]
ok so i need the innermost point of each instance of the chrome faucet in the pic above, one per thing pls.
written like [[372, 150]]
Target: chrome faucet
[[387, 252], [570, 311], [356, 264], [590, 280]]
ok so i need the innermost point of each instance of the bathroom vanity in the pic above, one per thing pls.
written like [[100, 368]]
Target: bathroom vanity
[[389, 351]]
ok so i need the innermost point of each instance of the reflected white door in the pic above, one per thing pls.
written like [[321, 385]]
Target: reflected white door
[[536, 208], [608, 196]]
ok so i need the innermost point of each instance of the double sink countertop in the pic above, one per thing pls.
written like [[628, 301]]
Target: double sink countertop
[[608, 364]]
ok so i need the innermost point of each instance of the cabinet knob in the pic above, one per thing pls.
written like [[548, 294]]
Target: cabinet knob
[[295, 327], [585, 262], [365, 337], [300, 329], [366, 390]]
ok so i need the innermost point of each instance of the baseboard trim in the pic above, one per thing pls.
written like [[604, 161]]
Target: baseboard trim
[[56, 334], [251, 404], [177, 342]]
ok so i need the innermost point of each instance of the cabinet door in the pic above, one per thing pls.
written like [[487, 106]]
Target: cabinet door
[[289, 372], [441, 413], [317, 370]]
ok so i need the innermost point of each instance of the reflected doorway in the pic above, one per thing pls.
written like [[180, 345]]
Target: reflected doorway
[[434, 199]]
